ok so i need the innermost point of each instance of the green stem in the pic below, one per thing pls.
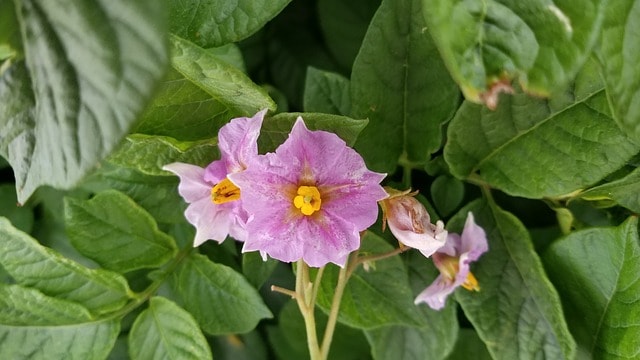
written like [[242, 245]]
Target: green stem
[[307, 308], [343, 277]]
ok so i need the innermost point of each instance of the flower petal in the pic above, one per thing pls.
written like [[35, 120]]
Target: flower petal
[[237, 141], [327, 238], [210, 220], [435, 295], [192, 185], [473, 239]]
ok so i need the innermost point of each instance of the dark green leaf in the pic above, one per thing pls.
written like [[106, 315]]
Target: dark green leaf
[[517, 312], [166, 331], [221, 300], [275, 130], [218, 22], [535, 148], [326, 92], [20, 216], [597, 272], [225, 83], [92, 67], [447, 193], [619, 54], [117, 233], [542, 44], [401, 85], [148, 154], [34, 265], [469, 346], [625, 192], [256, 270], [375, 297]]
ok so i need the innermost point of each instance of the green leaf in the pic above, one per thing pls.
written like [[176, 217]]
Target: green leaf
[[517, 312], [447, 193], [597, 272], [275, 130], [378, 296], [256, 270], [92, 68], [624, 191], [165, 331], [401, 85], [619, 54], [218, 22], [20, 216], [469, 346], [115, 232], [542, 44], [148, 154], [225, 83], [534, 148], [34, 265], [20, 306], [344, 24], [221, 300], [326, 92], [158, 195], [81, 341], [9, 31]]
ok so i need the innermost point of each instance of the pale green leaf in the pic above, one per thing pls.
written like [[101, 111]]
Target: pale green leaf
[[540, 43], [92, 66], [34, 265], [326, 92], [535, 148], [218, 22], [148, 153], [517, 312], [117, 233], [624, 191], [221, 300], [225, 83], [401, 85], [165, 331], [597, 272]]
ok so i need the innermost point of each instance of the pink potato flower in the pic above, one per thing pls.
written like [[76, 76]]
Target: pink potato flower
[[215, 204], [310, 199], [453, 261], [410, 222]]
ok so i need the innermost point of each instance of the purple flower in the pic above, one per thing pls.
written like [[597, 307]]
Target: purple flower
[[214, 207], [453, 261], [410, 223], [310, 199]]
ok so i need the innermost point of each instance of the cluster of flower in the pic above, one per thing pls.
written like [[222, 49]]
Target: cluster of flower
[[309, 200]]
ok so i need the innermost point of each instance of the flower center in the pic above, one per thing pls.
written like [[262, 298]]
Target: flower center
[[449, 267], [225, 191], [308, 200]]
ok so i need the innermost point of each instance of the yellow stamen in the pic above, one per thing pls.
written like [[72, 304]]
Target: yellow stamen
[[471, 283], [308, 200], [225, 191], [449, 265]]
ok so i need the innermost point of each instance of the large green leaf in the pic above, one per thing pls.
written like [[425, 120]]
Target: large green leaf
[[619, 53], [221, 300], [624, 191], [34, 265], [165, 331], [541, 43], [225, 83], [148, 153], [374, 297], [218, 22], [91, 69], [469, 346], [326, 92], [517, 312], [597, 272], [401, 85], [535, 148], [117, 233], [276, 129]]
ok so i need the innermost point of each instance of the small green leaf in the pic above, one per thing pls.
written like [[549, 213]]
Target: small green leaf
[[221, 300], [619, 53], [447, 193], [275, 130], [225, 83], [117, 233], [624, 191], [92, 66], [375, 297], [534, 148], [256, 270], [166, 331], [597, 272], [148, 154], [20, 216], [401, 85], [34, 265], [517, 312], [542, 44], [326, 92], [219, 22]]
